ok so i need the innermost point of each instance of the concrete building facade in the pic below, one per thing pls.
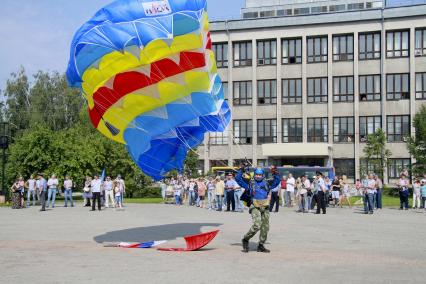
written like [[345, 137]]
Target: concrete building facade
[[308, 89]]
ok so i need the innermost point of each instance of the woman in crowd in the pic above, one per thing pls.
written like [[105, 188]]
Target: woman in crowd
[[335, 193], [16, 195], [211, 187], [346, 195], [403, 192], [118, 193], [178, 188], [220, 192], [201, 192], [87, 192]]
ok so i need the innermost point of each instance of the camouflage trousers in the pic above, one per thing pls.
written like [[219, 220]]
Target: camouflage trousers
[[260, 218]]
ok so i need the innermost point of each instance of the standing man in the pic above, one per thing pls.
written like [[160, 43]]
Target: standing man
[[123, 188], [291, 183], [31, 185], [379, 190], [283, 190], [371, 187], [258, 190], [335, 191], [220, 192], [42, 189], [304, 203], [52, 184], [230, 185], [96, 192], [320, 194], [403, 191], [275, 198], [109, 194], [68, 191]]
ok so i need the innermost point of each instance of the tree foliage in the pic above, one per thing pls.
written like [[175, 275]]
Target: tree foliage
[[376, 153], [417, 145]]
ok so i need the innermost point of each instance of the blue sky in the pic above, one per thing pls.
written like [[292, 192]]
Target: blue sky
[[37, 33]]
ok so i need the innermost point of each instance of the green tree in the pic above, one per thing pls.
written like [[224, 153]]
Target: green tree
[[375, 152], [417, 145], [191, 163]]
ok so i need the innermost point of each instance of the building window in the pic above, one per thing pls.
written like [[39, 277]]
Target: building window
[[397, 44], [370, 88], [250, 15], [301, 11], [266, 92], [369, 46], [219, 138], [266, 52], [266, 131], [343, 89], [318, 129], [243, 131], [420, 49], [398, 87], [292, 130], [286, 12], [242, 93], [343, 48], [317, 49], [344, 130], [292, 51], [396, 166], [225, 90], [239, 162], [242, 53], [368, 125], [221, 54], [345, 167], [292, 91], [421, 86], [218, 163], [371, 166], [319, 9], [337, 8], [317, 90], [262, 163], [264, 14], [356, 6], [398, 127]]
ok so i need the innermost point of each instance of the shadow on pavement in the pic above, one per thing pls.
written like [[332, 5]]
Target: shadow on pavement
[[161, 232]]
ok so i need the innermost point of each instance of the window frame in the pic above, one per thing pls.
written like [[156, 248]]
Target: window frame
[[362, 56], [248, 60], [421, 50], [349, 171], [264, 139], [392, 53], [422, 90], [349, 137], [297, 124], [298, 54], [340, 56], [348, 95], [391, 96], [392, 167], [224, 62], [219, 138], [297, 98], [248, 93], [248, 133], [367, 94], [405, 131], [322, 57], [323, 129], [363, 137], [272, 43], [314, 84], [272, 98]]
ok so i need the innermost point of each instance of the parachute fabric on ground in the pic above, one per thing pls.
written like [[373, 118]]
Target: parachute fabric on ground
[[149, 76]]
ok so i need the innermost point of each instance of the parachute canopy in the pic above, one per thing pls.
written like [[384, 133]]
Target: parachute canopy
[[148, 74]]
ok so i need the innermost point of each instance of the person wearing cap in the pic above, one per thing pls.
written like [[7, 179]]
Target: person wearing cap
[[320, 194], [258, 189]]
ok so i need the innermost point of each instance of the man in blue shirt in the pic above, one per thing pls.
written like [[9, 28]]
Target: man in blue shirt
[[258, 189]]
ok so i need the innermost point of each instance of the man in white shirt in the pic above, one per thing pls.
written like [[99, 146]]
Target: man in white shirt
[[52, 185], [31, 185], [68, 191], [122, 186], [321, 194], [109, 193], [291, 183], [96, 192], [371, 188]]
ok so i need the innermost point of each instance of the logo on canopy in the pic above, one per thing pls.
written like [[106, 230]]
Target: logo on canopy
[[155, 8]]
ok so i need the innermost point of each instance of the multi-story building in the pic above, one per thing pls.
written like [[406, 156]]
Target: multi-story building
[[307, 81]]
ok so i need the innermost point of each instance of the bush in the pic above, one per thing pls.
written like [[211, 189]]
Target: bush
[[148, 192]]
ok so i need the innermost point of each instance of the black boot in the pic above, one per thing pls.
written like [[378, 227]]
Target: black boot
[[245, 245], [261, 248]]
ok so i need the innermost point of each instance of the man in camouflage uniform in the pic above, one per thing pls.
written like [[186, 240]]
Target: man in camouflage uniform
[[257, 191]]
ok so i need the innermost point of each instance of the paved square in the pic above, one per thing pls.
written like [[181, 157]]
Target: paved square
[[64, 245]]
